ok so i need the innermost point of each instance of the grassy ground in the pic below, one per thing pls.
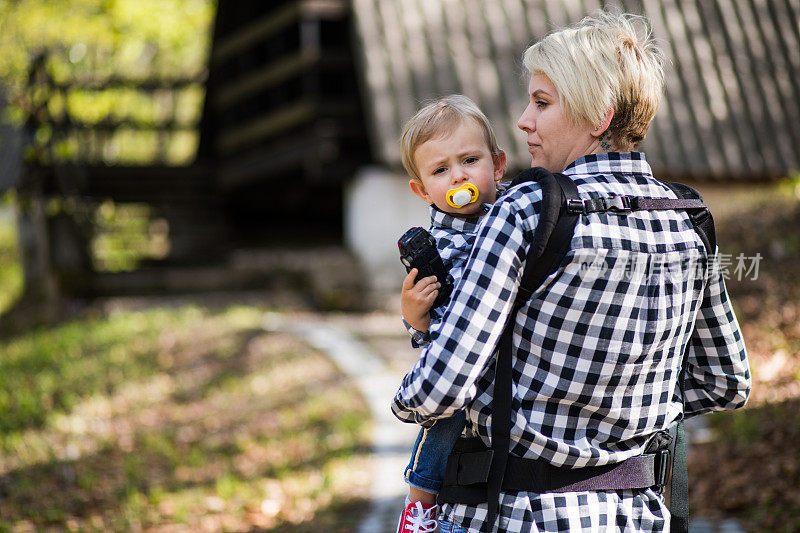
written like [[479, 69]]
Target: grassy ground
[[178, 419], [751, 470]]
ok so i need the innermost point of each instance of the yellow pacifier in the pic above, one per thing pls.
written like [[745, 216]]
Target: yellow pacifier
[[461, 196]]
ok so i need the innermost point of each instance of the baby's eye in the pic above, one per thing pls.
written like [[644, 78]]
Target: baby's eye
[[470, 160], [439, 170]]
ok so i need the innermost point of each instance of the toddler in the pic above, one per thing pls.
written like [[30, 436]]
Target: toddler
[[450, 152]]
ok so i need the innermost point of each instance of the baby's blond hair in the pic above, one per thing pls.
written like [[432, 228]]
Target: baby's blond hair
[[437, 119], [606, 60]]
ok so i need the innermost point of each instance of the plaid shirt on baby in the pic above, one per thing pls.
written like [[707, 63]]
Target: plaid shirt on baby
[[597, 349], [454, 238]]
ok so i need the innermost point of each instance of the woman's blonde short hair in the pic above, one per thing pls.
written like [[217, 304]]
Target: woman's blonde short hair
[[437, 119], [606, 60]]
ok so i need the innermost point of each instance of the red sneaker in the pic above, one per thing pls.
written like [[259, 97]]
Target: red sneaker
[[418, 518]]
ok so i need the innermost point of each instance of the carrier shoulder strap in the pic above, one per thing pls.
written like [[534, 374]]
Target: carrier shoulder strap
[[701, 217], [560, 211], [553, 232], [549, 244]]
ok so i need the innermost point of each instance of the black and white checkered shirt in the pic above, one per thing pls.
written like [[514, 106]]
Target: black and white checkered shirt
[[597, 349]]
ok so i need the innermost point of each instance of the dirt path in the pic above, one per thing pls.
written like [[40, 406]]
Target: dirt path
[[376, 372]]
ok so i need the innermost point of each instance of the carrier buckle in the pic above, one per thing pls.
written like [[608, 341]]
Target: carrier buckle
[[662, 465], [575, 206], [618, 204]]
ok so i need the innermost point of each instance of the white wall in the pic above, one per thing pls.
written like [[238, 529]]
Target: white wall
[[379, 207]]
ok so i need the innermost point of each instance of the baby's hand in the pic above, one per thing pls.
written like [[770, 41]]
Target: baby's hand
[[417, 298]]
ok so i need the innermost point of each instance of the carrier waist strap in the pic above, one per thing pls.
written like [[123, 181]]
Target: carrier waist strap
[[468, 471]]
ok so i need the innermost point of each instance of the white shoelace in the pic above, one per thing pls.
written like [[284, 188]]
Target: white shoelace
[[421, 521]]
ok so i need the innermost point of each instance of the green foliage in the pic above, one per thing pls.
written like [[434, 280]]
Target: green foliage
[[90, 41], [134, 38], [741, 428], [126, 234], [10, 267], [791, 184]]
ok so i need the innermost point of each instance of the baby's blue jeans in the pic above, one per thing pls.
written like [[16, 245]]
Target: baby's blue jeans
[[426, 469], [446, 527]]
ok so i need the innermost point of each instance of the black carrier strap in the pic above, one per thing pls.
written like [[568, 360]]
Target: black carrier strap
[[549, 245], [470, 466], [551, 240], [476, 474], [679, 487], [701, 217]]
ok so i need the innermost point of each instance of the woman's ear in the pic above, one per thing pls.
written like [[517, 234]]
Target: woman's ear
[[603, 126], [499, 161], [419, 189]]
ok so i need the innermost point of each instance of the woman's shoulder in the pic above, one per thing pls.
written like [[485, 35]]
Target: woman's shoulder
[[518, 206], [514, 192], [621, 183]]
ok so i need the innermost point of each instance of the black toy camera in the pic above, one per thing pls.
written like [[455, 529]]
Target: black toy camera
[[418, 250]]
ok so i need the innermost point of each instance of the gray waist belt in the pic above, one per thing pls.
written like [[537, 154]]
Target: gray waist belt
[[468, 472]]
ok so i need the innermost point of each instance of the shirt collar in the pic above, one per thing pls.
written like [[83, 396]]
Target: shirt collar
[[609, 163], [440, 219]]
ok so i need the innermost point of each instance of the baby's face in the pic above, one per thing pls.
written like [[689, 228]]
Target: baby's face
[[452, 161]]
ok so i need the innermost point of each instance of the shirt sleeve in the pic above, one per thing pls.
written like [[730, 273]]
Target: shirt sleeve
[[443, 380], [418, 338], [717, 375]]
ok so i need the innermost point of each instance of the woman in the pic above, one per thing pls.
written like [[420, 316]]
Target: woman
[[596, 355]]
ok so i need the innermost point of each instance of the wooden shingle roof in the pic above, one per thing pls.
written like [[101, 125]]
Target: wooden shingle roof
[[732, 103]]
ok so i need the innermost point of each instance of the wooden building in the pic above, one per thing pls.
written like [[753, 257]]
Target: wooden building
[[302, 95], [732, 104]]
